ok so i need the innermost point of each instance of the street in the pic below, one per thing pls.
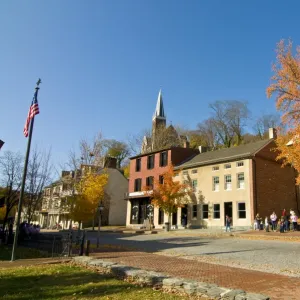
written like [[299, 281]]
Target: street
[[268, 256]]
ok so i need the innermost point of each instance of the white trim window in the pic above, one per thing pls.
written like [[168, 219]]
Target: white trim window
[[194, 185], [228, 184], [240, 181], [227, 166], [195, 171], [215, 168], [241, 210], [205, 211], [240, 164], [216, 211], [216, 183]]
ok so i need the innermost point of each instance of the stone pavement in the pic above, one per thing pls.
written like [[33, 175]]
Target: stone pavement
[[278, 287]]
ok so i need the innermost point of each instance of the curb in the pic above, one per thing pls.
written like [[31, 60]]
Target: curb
[[167, 283]]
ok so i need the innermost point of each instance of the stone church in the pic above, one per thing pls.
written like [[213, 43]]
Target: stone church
[[162, 136]]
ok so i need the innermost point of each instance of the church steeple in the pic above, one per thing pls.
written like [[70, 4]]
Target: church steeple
[[159, 111]]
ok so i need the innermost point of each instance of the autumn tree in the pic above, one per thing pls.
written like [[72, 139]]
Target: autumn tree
[[285, 86], [90, 190], [11, 167], [117, 149], [169, 195]]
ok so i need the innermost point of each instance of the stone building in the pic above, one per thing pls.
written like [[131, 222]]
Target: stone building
[[54, 210]]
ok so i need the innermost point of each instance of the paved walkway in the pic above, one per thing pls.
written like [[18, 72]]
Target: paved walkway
[[276, 286]]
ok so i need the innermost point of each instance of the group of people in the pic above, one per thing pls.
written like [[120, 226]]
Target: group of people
[[28, 230], [286, 222]]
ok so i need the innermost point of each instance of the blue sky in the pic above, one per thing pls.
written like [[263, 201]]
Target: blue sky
[[102, 63]]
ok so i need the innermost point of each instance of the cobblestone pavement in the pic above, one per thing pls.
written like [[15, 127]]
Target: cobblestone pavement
[[276, 286]]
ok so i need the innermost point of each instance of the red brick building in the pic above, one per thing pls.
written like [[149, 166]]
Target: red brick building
[[144, 169]]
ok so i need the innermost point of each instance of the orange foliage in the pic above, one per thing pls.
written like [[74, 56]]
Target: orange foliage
[[170, 194], [286, 88]]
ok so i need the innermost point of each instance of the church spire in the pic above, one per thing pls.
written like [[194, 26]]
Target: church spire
[[159, 111]]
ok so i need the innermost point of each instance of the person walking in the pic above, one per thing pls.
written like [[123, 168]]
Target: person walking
[[273, 218], [267, 225], [258, 220], [294, 220], [227, 222]]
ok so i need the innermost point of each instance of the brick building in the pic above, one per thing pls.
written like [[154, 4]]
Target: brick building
[[240, 182], [144, 169]]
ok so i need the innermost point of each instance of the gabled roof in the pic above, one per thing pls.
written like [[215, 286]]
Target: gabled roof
[[226, 154]]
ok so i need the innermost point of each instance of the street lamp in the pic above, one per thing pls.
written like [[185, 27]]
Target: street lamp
[[100, 208]]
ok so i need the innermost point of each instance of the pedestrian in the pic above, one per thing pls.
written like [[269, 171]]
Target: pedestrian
[[258, 221], [267, 224], [294, 220], [273, 218], [227, 222], [281, 224]]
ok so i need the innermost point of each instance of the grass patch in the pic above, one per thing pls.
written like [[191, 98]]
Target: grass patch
[[21, 253], [66, 281]]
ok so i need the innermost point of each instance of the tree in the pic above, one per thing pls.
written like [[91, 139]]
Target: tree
[[38, 177], [170, 194], [228, 120], [263, 123], [285, 86], [11, 167], [90, 190], [208, 131], [91, 153], [117, 149]]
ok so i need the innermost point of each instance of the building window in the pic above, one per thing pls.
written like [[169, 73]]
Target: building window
[[138, 185], [205, 211], [176, 174], [216, 183], [216, 211], [242, 210], [185, 172], [195, 171], [228, 182], [150, 162], [215, 168], [240, 181], [161, 179], [138, 165], [194, 185], [163, 159], [195, 211], [227, 166], [240, 164], [149, 182]]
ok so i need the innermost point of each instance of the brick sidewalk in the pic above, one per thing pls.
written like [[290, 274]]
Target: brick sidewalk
[[276, 286]]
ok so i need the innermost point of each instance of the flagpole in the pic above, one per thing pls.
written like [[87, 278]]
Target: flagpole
[[13, 254]]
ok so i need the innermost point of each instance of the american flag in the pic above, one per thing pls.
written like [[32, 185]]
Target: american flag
[[33, 110]]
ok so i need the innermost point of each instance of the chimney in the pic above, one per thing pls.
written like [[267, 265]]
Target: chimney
[[272, 133], [203, 149], [110, 162], [186, 144]]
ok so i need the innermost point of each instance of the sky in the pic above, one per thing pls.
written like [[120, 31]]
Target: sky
[[102, 64]]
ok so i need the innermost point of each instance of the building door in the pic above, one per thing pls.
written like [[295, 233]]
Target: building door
[[227, 211], [161, 216], [184, 214], [174, 218]]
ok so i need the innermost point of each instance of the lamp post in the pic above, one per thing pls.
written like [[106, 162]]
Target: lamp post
[[100, 208]]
